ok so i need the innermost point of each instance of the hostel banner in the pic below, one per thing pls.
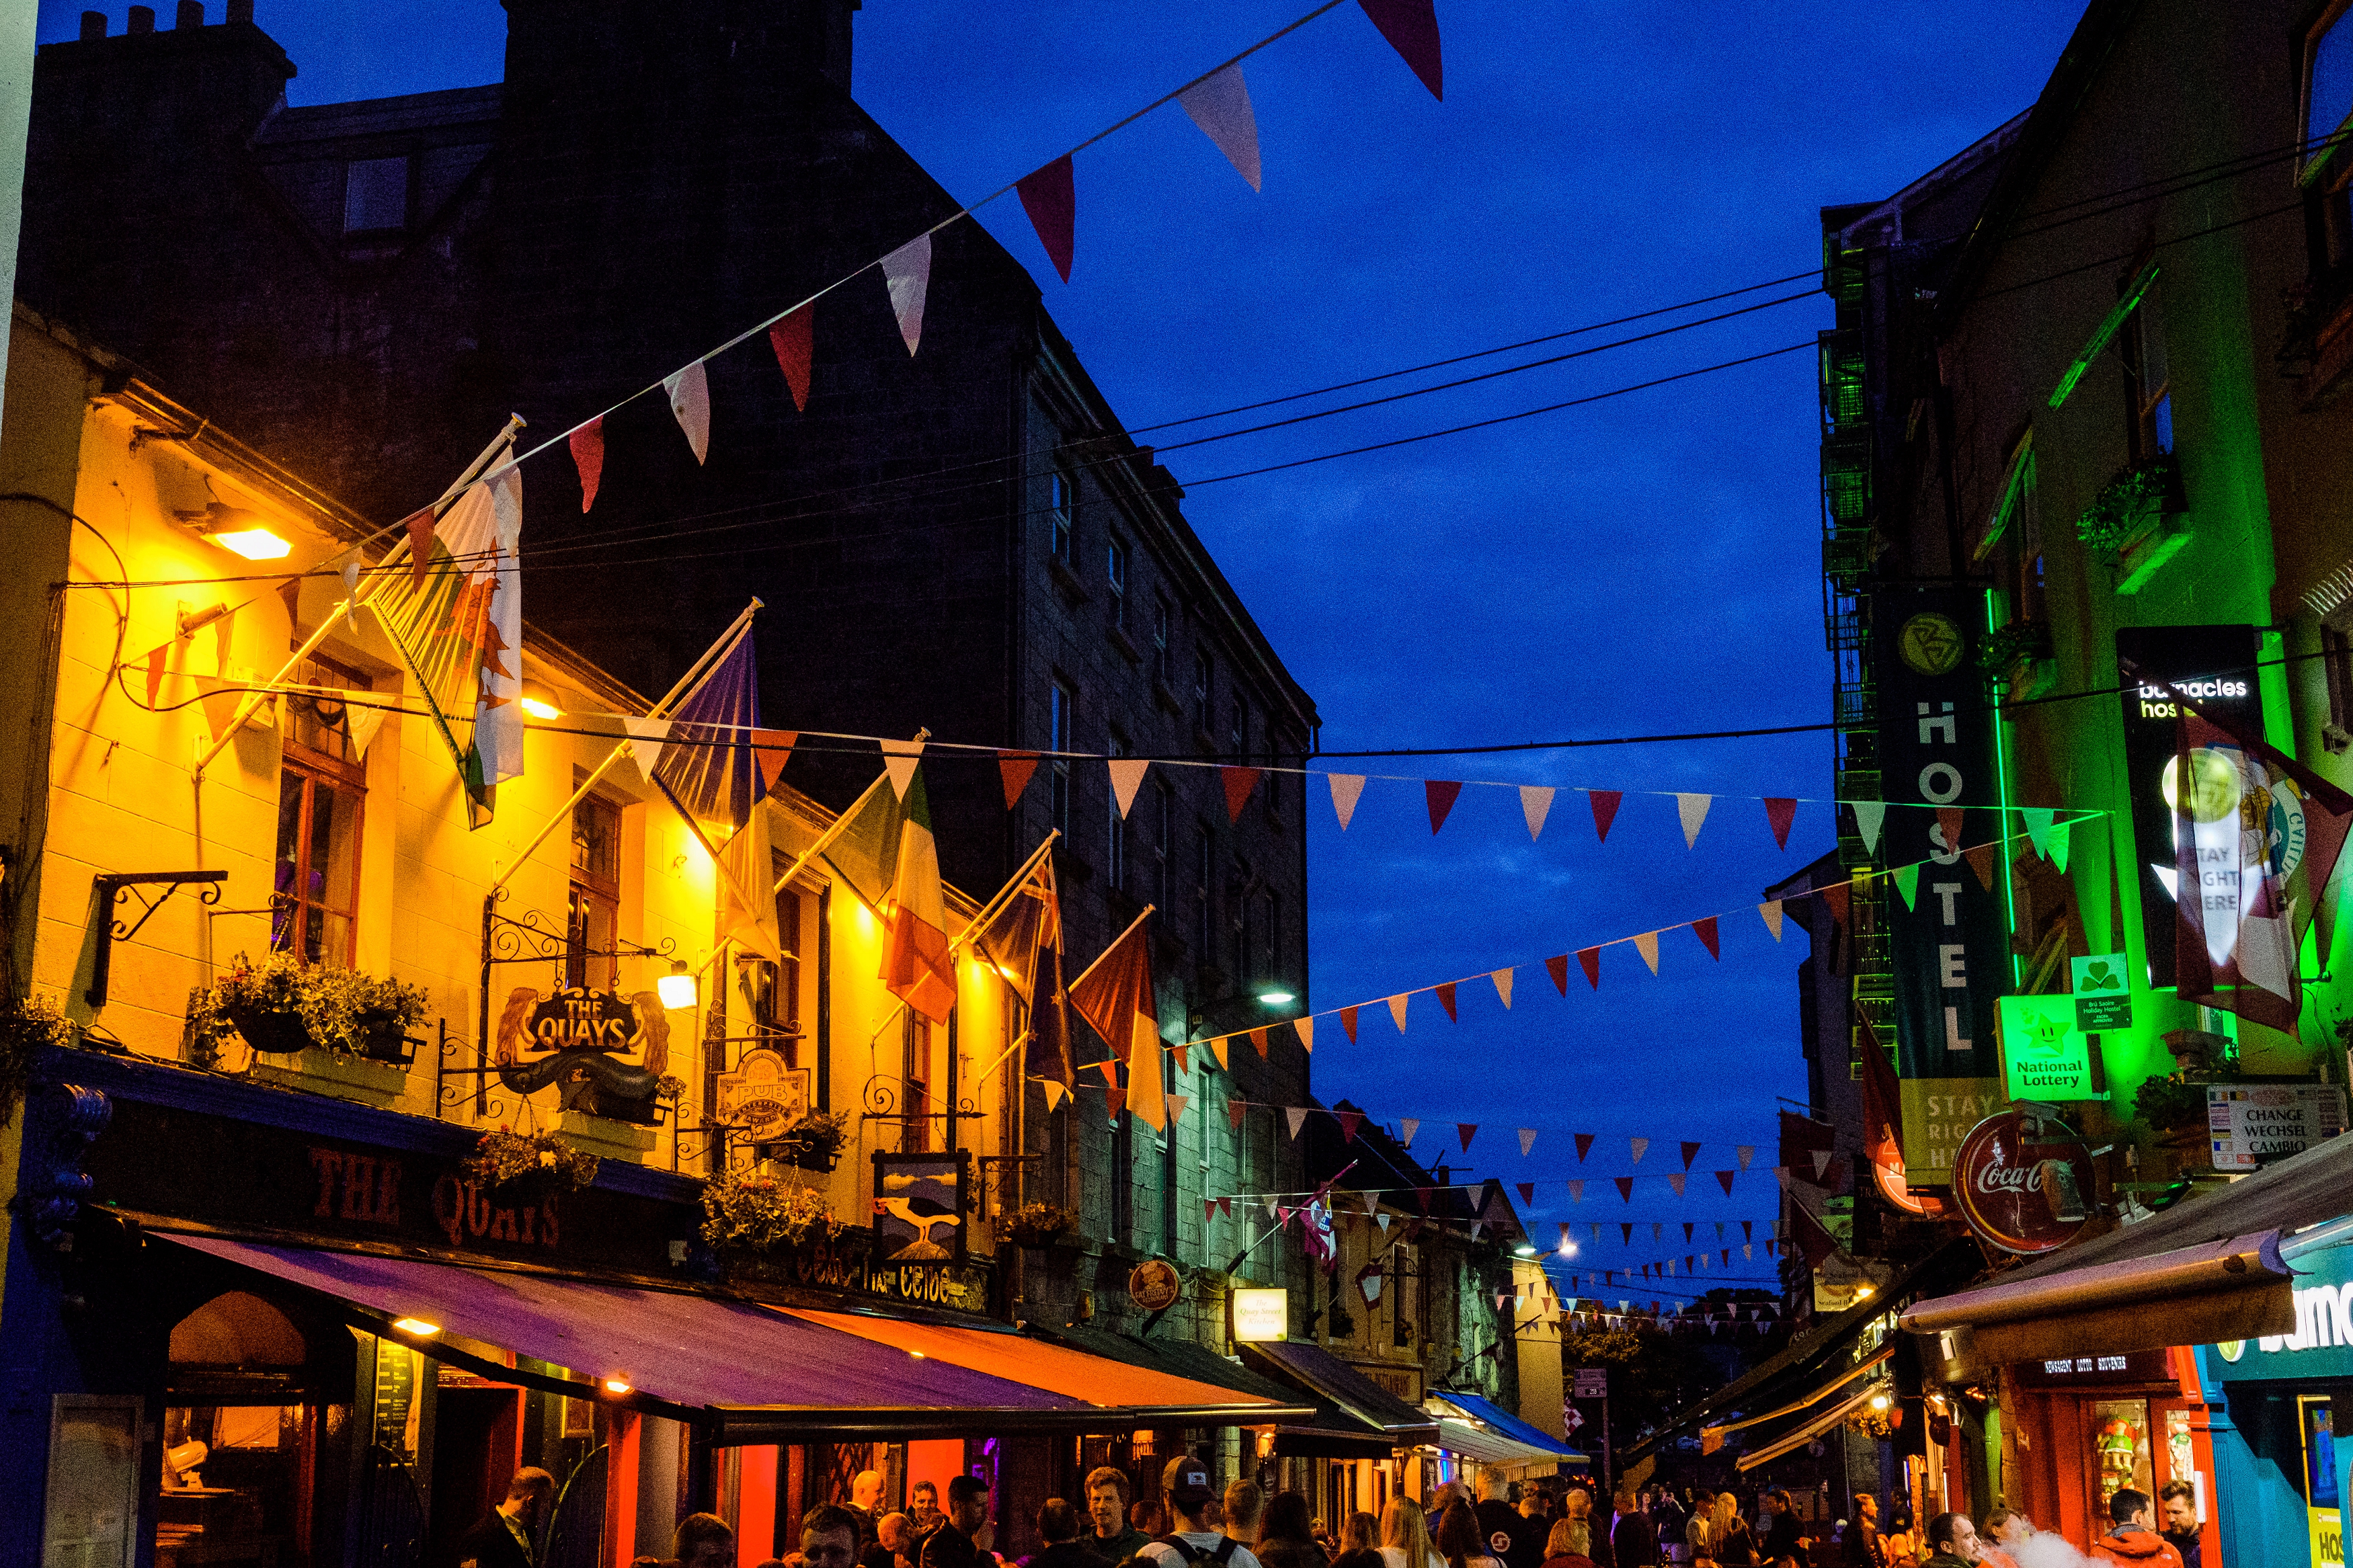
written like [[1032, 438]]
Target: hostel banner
[[1948, 948]]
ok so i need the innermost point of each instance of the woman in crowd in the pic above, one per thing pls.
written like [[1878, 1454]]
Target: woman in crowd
[[1460, 1540], [1570, 1544], [1286, 1536], [1405, 1536]]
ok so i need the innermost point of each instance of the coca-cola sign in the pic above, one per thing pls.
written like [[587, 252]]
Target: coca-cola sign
[[2023, 1181]]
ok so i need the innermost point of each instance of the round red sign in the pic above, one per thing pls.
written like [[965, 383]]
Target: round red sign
[[2025, 1181]]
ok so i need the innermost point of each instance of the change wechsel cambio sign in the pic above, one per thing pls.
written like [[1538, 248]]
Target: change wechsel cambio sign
[[1948, 950], [2252, 1124]]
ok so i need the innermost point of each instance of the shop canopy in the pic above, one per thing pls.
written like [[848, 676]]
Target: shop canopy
[[1482, 1430], [2217, 1265], [1317, 1370], [746, 1372], [1324, 1431]]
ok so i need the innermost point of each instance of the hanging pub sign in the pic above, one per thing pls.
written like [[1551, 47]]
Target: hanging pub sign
[[1947, 948], [606, 1052], [1153, 1285], [2214, 665], [2025, 1181], [919, 1208], [763, 1097]]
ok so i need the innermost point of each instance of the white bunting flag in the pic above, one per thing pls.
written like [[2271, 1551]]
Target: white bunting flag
[[1127, 778], [647, 738], [1219, 104], [1535, 805], [2038, 819], [1868, 816], [1647, 944], [1383, 1221], [1640, 1146], [1822, 1161], [1408, 1126], [1503, 979], [1176, 1104], [1372, 1204], [362, 724], [1307, 1027], [1397, 1009], [899, 760], [1692, 809], [1577, 1195], [1771, 911], [1748, 1251], [1345, 788], [690, 399], [1746, 1152], [1527, 1139], [907, 273], [1296, 1115]]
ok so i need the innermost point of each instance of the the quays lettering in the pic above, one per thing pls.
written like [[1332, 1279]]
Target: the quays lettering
[[466, 1214], [363, 1187]]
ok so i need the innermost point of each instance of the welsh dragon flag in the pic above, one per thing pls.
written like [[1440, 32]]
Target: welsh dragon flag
[[916, 967], [456, 615]]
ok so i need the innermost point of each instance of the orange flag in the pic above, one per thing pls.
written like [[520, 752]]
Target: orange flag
[[1115, 997]]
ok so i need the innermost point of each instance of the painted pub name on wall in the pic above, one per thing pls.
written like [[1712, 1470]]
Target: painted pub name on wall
[[366, 1188]]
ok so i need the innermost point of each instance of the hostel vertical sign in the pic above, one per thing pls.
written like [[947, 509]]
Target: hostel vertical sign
[[1936, 764]]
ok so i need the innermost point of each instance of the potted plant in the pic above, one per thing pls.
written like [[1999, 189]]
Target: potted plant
[[745, 1213], [283, 1006], [528, 1168], [813, 1141], [28, 1026], [1038, 1225]]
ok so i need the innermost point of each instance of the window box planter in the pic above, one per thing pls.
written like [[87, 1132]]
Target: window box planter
[[606, 1138], [812, 1143], [336, 1074], [286, 1009], [2138, 517], [1040, 1226]]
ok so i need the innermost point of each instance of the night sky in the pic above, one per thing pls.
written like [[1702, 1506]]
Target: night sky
[[1645, 564]]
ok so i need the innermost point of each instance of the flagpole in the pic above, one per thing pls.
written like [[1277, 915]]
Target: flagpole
[[695, 675], [1004, 896], [841, 821], [254, 700]]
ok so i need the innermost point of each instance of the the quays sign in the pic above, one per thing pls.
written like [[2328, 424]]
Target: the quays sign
[[2322, 1345]]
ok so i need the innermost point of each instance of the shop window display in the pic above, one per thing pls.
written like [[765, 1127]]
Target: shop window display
[[2120, 1445]]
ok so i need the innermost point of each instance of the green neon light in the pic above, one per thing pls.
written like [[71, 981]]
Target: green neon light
[[2109, 326], [2001, 787]]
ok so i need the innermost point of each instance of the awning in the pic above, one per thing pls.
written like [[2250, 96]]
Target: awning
[[1325, 1432], [1711, 1438], [1805, 1433], [1317, 1370], [746, 1372], [1492, 1415], [2212, 1263]]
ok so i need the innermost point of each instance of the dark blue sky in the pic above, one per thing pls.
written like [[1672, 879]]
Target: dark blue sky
[[1642, 564]]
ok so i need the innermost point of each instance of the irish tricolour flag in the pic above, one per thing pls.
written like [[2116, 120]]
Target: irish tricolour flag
[[915, 966]]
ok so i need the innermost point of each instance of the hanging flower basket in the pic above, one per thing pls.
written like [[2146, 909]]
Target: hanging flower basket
[[755, 1215], [28, 1026], [814, 1142], [1038, 1225], [283, 1007], [527, 1168]]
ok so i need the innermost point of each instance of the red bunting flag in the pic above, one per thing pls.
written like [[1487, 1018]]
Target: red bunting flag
[[1411, 28], [1781, 811], [588, 445], [1421, 1195], [1465, 1131], [1016, 769], [1234, 1110], [1239, 783], [1948, 820], [1605, 810], [793, 342], [1349, 1121], [1687, 1232], [1705, 928], [1258, 1039], [1528, 1196], [1726, 1255], [1837, 898], [1980, 860], [1626, 1232], [1348, 1022], [1446, 1000], [420, 541], [1625, 1187], [1590, 960], [1691, 1152], [1115, 1100], [1050, 197], [1226, 1208], [1209, 1210], [1440, 794], [1583, 1143], [1723, 1180], [771, 750], [1558, 967]]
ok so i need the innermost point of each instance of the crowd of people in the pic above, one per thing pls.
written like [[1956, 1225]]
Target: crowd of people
[[1192, 1523]]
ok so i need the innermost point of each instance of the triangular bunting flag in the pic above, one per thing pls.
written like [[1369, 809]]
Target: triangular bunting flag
[[1408, 1127], [1640, 1146], [1466, 1131], [1676, 1179], [1527, 1139], [1625, 1185], [647, 738], [1258, 1043], [1397, 1009], [1687, 1232], [1127, 778], [2058, 837], [1747, 1229], [1345, 789], [1209, 1210], [1446, 1000], [1746, 1152], [1235, 1111], [1016, 769], [1771, 911], [1421, 1196], [1217, 1048], [1705, 928], [2038, 828], [1590, 960], [1115, 1099], [907, 273], [1690, 1152], [1348, 1023], [1583, 1143], [1907, 882], [1305, 1028], [771, 750], [1176, 1104], [1238, 784], [1349, 1121], [1868, 815], [588, 445], [1440, 794], [1535, 805], [1050, 196], [689, 400], [1723, 1180], [1383, 1221], [1558, 967], [1528, 1198], [419, 525], [1780, 812], [1949, 824], [1647, 944], [1219, 104], [1055, 1093], [1980, 860], [1411, 28], [1503, 979], [1693, 810], [793, 339], [1605, 810], [1839, 898], [1576, 1191], [1295, 1115], [899, 760]]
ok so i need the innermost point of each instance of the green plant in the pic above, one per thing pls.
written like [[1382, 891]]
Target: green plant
[[818, 1130], [1038, 1225], [757, 1214], [2151, 486], [205, 1029], [281, 1005], [2017, 641], [2173, 1103], [514, 1164], [27, 1026]]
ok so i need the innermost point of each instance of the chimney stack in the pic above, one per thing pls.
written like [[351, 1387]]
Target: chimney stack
[[191, 14], [240, 11], [142, 20], [93, 26]]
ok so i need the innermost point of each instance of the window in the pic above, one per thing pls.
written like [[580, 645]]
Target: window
[[595, 902], [1203, 687], [2014, 532], [321, 788], [1238, 731], [2328, 78], [2336, 659], [1062, 502], [1162, 613], [915, 1132], [1115, 834], [1057, 741], [1245, 929], [375, 195], [776, 1012], [1163, 825], [1205, 857], [2152, 432], [1115, 575]]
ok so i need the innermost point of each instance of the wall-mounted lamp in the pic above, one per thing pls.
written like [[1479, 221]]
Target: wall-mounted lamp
[[677, 988], [416, 1326], [241, 531], [539, 700], [616, 1385]]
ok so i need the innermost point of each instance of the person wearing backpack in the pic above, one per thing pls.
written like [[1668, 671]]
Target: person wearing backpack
[[1194, 1541]]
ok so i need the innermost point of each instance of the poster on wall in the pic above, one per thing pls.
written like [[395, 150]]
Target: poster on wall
[[1948, 948], [919, 1207]]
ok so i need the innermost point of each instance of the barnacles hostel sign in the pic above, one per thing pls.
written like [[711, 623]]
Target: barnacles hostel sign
[[606, 1052]]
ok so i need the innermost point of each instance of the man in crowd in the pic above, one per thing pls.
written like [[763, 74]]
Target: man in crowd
[[829, 1533], [505, 1539], [1785, 1533], [1245, 1503], [1511, 1539], [865, 1493], [2132, 1538], [1952, 1542], [1579, 1506], [707, 1540], [2182, 1530], [895, 1543], [956, 1544], [924, 1508], [1862, 1534], [1633, 1544], [1110, 1537], [1187, 1485]]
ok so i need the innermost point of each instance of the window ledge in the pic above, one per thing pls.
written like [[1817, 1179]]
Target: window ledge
[[1166, 697], [1205, 742], [1122, 641], [1067, 581]]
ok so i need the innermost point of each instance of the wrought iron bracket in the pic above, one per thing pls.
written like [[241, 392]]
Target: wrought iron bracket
[[113, 888]]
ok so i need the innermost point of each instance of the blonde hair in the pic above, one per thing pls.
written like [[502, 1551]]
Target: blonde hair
[[1359, 1532], [1403, 1527], [1569, 1538]]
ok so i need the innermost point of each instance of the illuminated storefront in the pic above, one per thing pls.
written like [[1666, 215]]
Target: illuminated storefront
[[2284, 1478]]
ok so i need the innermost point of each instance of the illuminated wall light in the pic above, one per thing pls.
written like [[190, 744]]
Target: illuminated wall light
[[255, 544], [539, 700], [677, 989], [615, 1386], [416, 1326], [1879, 1402]]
